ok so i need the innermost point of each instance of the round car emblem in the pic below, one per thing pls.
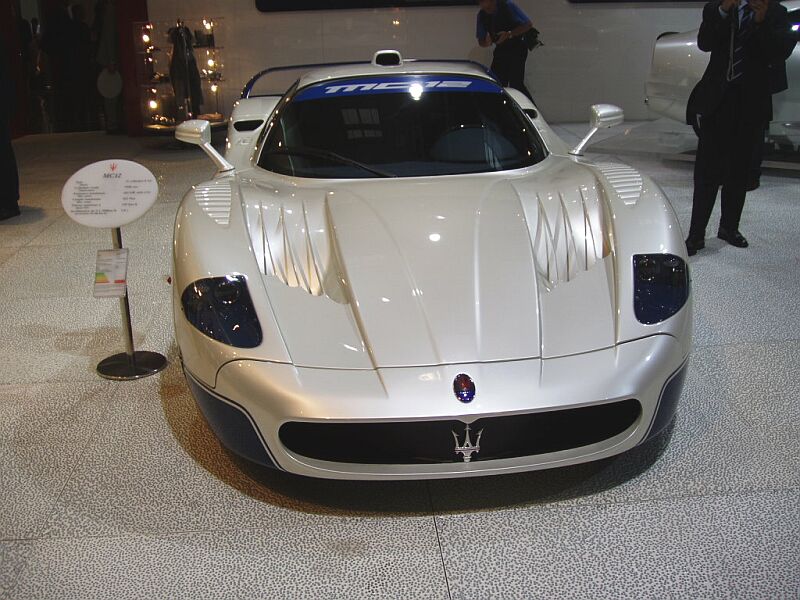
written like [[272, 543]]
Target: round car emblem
[[464, 387]]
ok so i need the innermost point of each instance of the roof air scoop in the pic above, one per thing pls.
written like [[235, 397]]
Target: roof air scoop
[[387, 58]]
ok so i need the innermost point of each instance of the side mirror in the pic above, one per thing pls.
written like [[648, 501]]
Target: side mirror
[[198, 133], [606, 115], [603, 116]]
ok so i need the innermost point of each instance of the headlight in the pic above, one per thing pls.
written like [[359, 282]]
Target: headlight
[[221, 308], [660, 286]]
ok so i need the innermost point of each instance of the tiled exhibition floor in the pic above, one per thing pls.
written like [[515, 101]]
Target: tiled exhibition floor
[[119, 490]]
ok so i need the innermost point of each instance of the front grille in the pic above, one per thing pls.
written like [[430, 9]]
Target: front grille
[[432, 442]]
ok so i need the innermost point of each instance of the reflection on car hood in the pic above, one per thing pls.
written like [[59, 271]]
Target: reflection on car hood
[[445, 270]]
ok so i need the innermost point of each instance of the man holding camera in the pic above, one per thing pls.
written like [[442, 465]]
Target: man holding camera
[[502, 23], [731, 107]]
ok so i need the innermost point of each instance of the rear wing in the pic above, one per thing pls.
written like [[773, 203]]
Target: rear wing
[[276, 80]]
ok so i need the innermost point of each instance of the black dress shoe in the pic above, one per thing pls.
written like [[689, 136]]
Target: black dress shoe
[[693, 245], [8, 213], [734, 238]]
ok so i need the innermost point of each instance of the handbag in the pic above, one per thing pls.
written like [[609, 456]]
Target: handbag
[[531, 39]]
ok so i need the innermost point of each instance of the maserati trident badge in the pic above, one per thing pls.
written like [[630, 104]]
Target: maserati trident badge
[[464, 387], [467, 448]]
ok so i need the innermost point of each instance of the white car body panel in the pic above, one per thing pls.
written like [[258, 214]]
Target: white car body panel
[[239, 145], [411, 250], [373, 294]]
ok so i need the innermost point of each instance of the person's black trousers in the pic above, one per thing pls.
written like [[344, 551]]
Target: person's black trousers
[[508, 65], [9, 177], [728, 140]]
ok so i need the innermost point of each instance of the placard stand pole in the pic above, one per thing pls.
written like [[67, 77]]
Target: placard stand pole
[[130, 364], [124, 305]]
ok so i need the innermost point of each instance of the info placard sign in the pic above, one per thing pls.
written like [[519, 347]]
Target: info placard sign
[[111, 273], [109, 193]]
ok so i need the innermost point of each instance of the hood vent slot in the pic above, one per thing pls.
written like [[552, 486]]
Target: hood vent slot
[[293, 243], [627, 182], [571, 235], [215, 200]]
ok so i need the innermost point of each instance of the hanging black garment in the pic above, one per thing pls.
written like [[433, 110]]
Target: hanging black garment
[[183, 71]]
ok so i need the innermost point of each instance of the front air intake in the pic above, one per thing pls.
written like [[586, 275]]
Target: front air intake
[[434, 442]]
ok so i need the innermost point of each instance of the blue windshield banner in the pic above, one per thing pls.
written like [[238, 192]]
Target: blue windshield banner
[[415, 85]]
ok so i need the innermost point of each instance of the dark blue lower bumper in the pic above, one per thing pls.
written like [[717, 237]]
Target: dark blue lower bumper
[[232, 424], [668, 403]]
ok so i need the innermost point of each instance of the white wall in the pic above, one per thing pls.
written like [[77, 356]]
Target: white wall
[[592, 53]]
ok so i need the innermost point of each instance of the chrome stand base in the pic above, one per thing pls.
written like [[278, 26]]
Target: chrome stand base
[[124, 367]]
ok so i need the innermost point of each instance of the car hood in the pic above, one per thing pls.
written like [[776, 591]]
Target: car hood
[[458, 269]]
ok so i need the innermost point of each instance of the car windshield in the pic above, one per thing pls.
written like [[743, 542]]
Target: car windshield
[[400, 126]]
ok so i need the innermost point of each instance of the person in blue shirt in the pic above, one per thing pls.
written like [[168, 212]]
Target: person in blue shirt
[[502, 23]]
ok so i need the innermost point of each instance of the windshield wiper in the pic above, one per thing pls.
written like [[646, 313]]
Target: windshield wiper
[[320, 153]]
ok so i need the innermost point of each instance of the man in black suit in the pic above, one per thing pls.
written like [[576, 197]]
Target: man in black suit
[[731, 106]]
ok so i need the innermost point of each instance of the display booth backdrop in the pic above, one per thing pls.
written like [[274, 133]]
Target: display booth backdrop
[[592, 53]]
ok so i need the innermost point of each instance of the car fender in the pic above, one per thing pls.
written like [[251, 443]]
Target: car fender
[[210, 240]]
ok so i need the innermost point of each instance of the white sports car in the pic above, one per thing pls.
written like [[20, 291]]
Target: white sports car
[[401, 272], [678, 65]]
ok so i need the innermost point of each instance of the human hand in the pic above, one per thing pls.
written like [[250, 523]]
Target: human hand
[[759, 9], [502, 37], [727, 5]]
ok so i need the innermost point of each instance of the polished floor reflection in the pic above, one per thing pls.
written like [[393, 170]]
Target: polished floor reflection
[[119, 490], [670, 140]]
